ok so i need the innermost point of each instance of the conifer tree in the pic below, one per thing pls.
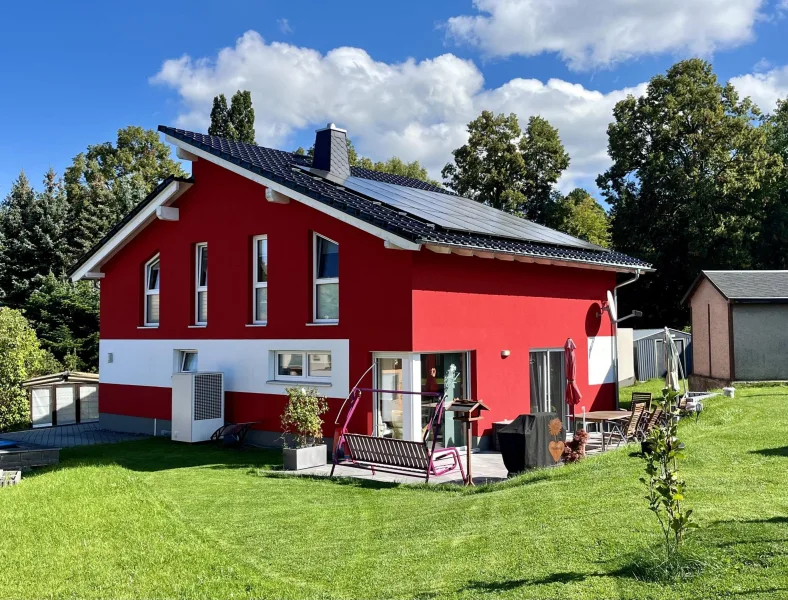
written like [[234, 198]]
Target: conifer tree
[[220, 118], [241, 117]]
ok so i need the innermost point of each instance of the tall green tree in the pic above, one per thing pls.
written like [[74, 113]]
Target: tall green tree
[[32, 226], [104, 183], [545, 160], [220, 118], [578, 214], [241, 116], [770, 244], [21, 357], [235, 122], [506, 168], [66, 318], [489, 168], [689, 166], [14, 212]]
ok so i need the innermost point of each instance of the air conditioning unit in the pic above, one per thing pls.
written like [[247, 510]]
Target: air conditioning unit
[[197, 406]]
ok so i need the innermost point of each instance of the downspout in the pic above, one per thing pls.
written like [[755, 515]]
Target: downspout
[[615, 329]]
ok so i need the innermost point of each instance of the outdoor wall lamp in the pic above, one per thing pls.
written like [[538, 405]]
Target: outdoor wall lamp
[[505, 353]]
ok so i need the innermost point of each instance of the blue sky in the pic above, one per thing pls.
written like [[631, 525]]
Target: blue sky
[[409, 77]]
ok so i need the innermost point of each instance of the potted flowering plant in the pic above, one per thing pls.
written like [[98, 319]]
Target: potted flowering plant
[[302, 429]]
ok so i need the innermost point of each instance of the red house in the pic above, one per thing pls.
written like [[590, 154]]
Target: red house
[[319, 270]]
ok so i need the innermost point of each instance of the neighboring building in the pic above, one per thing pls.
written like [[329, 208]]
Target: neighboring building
[[739, 327], [317, 271], [63, 398], [649, 352], [626, 357]]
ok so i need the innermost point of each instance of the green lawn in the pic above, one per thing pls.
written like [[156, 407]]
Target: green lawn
[[654, 386], [153, 518]]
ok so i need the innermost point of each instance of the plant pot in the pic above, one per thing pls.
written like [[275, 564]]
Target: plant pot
[[296, 459]]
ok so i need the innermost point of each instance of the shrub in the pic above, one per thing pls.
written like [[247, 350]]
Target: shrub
[[302, 416], [576, 449], [21, 357]]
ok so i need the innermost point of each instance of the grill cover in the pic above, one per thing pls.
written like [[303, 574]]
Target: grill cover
[[532, 441]]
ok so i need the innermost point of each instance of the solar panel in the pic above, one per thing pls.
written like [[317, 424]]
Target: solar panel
[[457, 213]]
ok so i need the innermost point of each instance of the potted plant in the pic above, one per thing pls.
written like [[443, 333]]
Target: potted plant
[[302, 429], [576, 449]]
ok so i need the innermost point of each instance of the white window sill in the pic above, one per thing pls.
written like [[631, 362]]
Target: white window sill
[[148, 327], [257, 325], [326, 324], [198, 326], [302, 383]]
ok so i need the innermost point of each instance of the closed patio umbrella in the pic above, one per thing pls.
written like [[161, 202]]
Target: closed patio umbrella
[[573, 394], [671, 363]]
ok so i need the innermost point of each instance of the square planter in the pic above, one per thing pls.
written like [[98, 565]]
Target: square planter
[[296, 459]]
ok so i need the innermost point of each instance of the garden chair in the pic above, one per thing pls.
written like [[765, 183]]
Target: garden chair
[[642, 397], [649, 421], [631, 430]]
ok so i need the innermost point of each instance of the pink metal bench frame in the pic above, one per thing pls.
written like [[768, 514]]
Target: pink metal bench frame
[[400, 456]]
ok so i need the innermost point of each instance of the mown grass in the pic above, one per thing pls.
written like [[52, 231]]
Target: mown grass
[[154, 519], [654, 386]]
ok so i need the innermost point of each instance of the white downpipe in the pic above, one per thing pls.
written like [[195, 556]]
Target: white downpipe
[[615, 330]]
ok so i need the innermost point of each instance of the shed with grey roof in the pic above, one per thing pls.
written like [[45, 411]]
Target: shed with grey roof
[[739, 327], [649, 347]]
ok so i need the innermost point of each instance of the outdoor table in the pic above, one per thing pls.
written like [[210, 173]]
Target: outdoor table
[[602, 417]]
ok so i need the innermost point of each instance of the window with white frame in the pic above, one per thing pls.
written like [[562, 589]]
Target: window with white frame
[[303, 366], [201, 285], [152, 292], [187, 361], [326, 276], [260, 279]]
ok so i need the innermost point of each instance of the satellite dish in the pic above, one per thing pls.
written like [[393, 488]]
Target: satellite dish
[[611, 306]]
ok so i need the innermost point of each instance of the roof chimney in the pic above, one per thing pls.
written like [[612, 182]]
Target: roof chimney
[[331, 151]]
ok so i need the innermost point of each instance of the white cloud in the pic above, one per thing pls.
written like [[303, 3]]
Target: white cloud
[[764, 88], [597, 33], [284, 26], [415, 110]]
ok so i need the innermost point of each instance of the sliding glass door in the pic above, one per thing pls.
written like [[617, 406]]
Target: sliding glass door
[[405, 416], [390, 375], [434, 368], [548, 382]]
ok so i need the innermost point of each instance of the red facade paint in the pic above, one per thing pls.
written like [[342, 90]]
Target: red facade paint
[[488, 305], [390, 300]]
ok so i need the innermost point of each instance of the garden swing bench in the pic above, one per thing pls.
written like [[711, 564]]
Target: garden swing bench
[[395, 456]]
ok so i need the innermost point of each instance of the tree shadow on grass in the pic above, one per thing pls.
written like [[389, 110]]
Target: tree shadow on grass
[[160, 454], [497, 587], [781, 451]]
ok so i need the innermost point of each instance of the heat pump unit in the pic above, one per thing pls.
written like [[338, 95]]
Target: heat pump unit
[[197, 406]]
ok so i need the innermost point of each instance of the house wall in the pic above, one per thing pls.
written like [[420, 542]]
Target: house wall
[[710, 333], [760, 341], [390, 300], [486, 306], [626, 357], [227, 211]]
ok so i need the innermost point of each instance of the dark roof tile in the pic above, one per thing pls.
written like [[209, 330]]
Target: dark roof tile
[[281, 167]]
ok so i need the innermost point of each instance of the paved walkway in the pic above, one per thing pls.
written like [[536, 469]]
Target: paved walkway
[[487, 468], [66, 436]]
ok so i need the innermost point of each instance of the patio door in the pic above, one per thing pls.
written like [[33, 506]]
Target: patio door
[[394, 412], [548, 382]]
